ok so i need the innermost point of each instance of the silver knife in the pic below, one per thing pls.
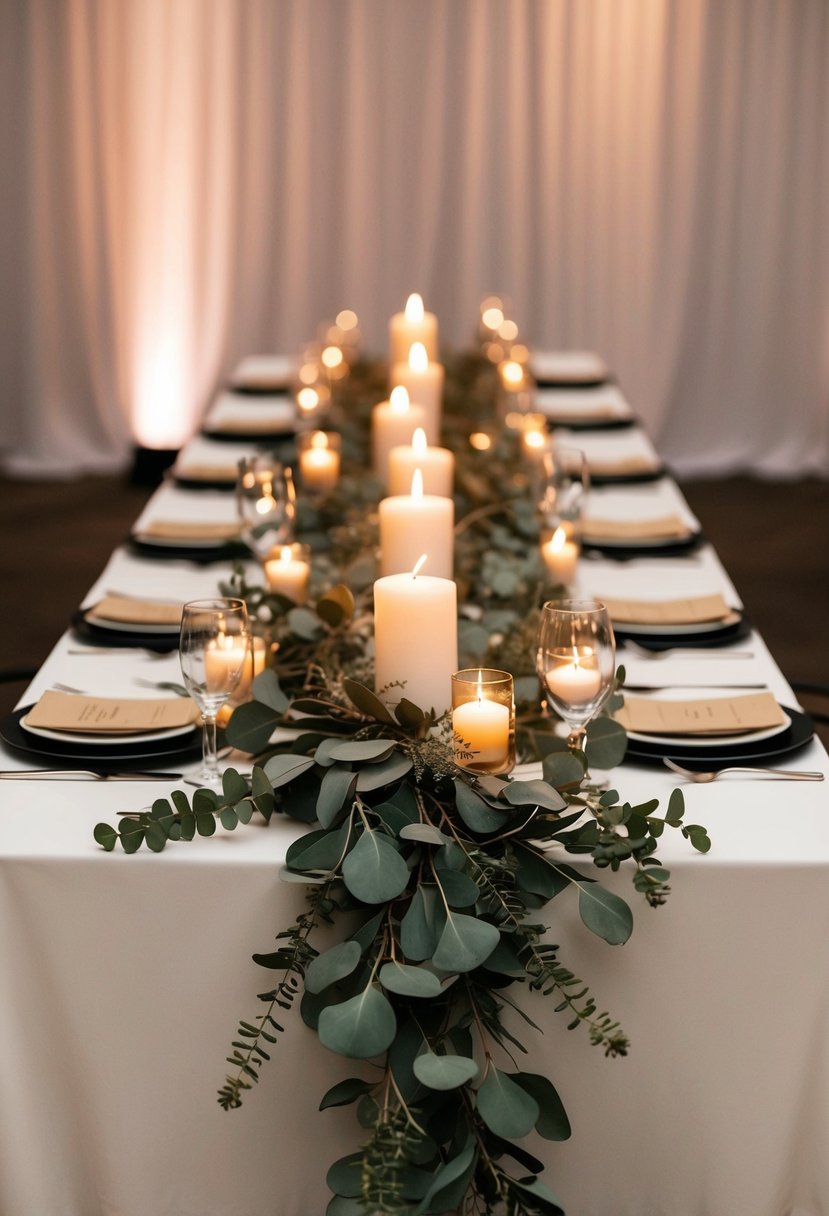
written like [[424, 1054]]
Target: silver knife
[[82, 774]]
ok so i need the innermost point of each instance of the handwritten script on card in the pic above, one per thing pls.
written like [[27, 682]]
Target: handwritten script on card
[[714, 716], [110, 715]]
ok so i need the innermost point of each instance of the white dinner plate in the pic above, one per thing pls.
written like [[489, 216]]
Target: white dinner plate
[[84, 736], [129, 626], [183, 542], [702, 627], [639, 542], [709, 741]]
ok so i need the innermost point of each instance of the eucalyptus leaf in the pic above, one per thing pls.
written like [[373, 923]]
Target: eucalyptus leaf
[[366, 701], [448, 1179], [317, 850], [534, 793], [419, 926], [340, 1205], [552, 1122], [363, 750], [542, 1200], [478, 816], [562, 769], [344, 1177], [332, 966], [465, 943], [304, 623], [406, 980], [251, 726], [408, 714], [336, 787], [444, 1072], [506, 1108], [345, 1092], [425, 832], [374, 871], [322, 755], [606, 743], [266, 689], [106, 836], [459, 890], [284, 767], [604, 913], [336, 606], [234, 785], [375, 776], [359, 1028]]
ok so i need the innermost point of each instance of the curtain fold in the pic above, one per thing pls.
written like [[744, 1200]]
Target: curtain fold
[[197, 180]]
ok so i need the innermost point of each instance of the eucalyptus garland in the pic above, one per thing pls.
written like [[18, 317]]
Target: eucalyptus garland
[[440, 882]]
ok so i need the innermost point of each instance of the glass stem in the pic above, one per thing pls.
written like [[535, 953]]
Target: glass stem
[[575, 738], [209, 756]]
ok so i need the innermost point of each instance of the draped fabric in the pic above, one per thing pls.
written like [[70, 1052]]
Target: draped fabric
[[196, 180]]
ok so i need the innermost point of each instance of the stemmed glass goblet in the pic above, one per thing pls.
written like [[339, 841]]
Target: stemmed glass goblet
[[576, 661], [213, 649], [265, 500], [565, 487]]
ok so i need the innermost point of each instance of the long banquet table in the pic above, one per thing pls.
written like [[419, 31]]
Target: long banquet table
[[123, 979]]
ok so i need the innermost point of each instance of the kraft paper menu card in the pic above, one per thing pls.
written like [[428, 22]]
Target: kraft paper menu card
[[694, 610], [110, 715], [716, 716], [135, 611], [623, 465], [207, 472], [175, 529], [667, 527]]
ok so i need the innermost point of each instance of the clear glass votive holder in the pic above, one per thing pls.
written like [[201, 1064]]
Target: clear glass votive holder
[[319, 461], [288, 571], [256, 662], [483, 720]]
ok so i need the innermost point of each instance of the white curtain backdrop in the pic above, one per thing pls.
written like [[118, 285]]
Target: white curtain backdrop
[[191, 181]]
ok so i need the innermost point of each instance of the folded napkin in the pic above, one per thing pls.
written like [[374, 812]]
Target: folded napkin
[[264, 372], [667, 527], [187, 530], [715, 716], [555, 405], [252, 426], [694, 610], [110, 715], [567, 365], [207, 472], [135, 611], [622, 466]]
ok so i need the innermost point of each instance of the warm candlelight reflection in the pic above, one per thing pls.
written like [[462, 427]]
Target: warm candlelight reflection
[[418, 358], [414, 311]]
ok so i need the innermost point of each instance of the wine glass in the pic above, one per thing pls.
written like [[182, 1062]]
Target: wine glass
[[214, 646], [576, 661], [565, 487], [265, 500]]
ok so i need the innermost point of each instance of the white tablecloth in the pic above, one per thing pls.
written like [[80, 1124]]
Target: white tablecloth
[[124, 978]]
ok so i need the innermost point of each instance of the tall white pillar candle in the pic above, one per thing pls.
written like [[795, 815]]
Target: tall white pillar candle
[[393, 423], [415, 639], [416, 523], [414, 324], [436, 464], [423, 380]]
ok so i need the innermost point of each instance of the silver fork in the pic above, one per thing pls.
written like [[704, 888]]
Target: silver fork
[[686, 652], [780, 774]]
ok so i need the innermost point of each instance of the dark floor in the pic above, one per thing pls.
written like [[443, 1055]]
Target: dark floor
[[773, 538]]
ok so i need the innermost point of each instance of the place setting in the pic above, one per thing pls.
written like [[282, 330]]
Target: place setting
[[652, 521], [702, 621], [568, 368], [264, 375], [267, 417], [120, 621], [587, 409]]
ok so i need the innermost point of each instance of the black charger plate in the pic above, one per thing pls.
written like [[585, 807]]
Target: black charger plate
[[104, 757], [590, 424], [203, 555], [797, 735], [704, 641], [99, 635], [627, 479], [260, 390], [272, 436], [627, 553]]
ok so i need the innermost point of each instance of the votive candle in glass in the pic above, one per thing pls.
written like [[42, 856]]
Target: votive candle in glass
[[483, 720], [288, 569], [319, 461]]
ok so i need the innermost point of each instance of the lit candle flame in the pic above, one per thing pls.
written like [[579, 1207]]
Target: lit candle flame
[[399, 399], [308, 399], [512, 374], [480, 686], [332, 356], [319, 439], [534, 439], [418, 566], [418, 358], [414, 308], [285, 553], [419, 441], [558, 540], [417, 484]]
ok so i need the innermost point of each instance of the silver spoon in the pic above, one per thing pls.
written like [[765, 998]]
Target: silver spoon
[[783, 774]]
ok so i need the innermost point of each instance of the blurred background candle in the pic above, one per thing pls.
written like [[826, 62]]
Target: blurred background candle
[[393, 423], [560, 554], [483, 720], [411, 524], [288, 569], [415, 639], [535, 438], [255, 661], [319, 460], [436, 464], [423, 380], [414, 324]]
